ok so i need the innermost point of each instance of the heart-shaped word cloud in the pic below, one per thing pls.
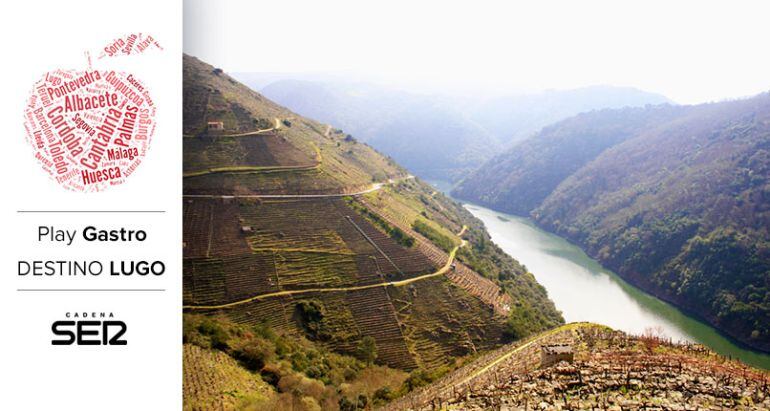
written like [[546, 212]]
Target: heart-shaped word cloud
[[90, 129]]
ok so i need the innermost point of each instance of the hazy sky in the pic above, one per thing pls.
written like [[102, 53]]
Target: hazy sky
[[691, 51]]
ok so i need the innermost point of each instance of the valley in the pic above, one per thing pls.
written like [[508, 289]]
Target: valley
[[415, 206], [571, 277], [672, 198], [318, 273]]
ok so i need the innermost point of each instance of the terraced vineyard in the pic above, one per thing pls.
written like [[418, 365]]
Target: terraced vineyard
[[228, 279], [212, 229], [376, 317], [464, 277], [310, 181], [277, 312], [207, 154], [332, 229], [481, 287], [348, 273], [442, 322], [196, 227], [313, 270], [426, 247], [253, 247]]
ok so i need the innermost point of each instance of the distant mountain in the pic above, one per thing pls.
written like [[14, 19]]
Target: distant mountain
[[427, 135], [434, 136], [514, 118], [674, 199]]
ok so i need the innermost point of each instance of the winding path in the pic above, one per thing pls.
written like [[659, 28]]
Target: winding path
[[374, 187], [249, 169], [463, 377], [276, 126], [516, 349], [441, 271]]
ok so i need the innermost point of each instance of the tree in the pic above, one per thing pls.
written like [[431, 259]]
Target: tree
[[312, 313], [256, 354], [367, 350]]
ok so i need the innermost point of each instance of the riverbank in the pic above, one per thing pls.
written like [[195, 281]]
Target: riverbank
[[583, 290]]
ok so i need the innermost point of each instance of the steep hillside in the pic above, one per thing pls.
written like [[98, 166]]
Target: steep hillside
[[262, 145], [597, 368], [442, 137], [518, 180], [680, 208], [295, 227]]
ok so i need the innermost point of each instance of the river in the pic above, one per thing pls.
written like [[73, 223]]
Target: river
[[583, 290]]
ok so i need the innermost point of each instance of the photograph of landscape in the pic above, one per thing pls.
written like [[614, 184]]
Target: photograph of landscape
[[476, 205]]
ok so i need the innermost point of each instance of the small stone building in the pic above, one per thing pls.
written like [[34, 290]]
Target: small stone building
[[215, 126], [555, 353]]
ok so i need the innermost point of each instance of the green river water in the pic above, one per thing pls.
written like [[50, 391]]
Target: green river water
[[583, 290]]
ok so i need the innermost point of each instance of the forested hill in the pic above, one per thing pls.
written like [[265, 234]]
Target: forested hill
[[521, 178], [674, 199]]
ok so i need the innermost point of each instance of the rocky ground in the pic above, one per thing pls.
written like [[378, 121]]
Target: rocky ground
[[614, 371]]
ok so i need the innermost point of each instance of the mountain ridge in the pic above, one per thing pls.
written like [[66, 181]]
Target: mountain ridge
[[414, 128]]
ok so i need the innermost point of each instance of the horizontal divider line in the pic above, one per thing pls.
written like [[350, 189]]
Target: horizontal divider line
[[90, 211], [90, 289]]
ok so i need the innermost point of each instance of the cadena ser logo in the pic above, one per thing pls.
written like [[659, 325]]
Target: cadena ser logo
[[89, 328]]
